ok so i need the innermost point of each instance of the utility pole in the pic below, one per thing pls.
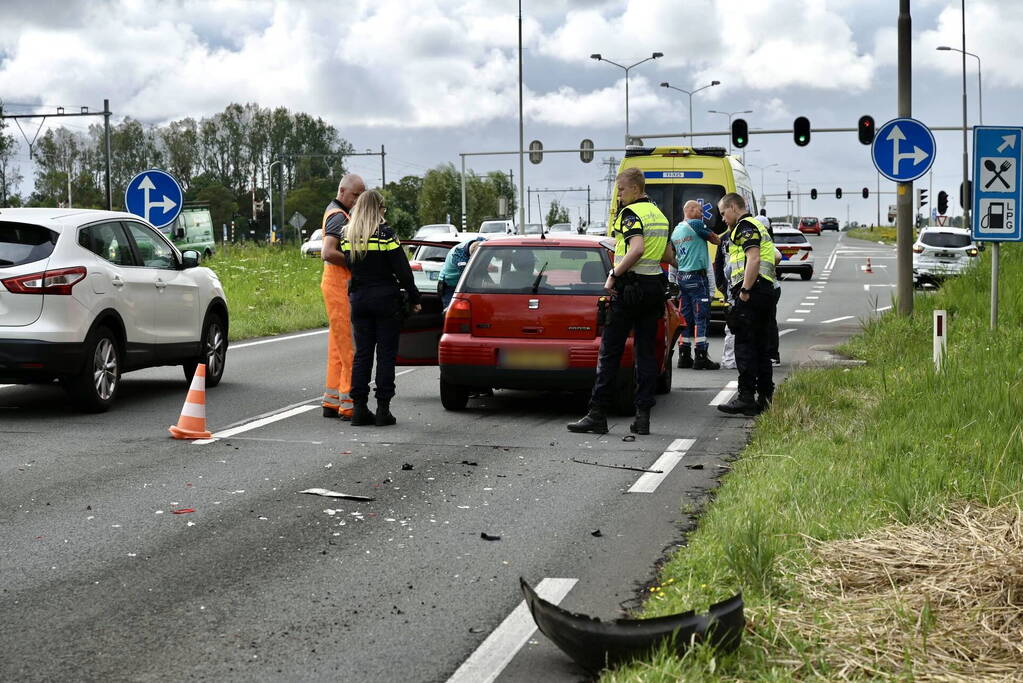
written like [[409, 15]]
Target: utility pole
[[383, 168], [904, 196], [522, 158]]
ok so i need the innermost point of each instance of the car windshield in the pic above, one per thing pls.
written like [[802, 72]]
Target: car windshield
[[551, 270], [492, 226], [561, 227], [809, 221], [789, 238], [22, 243], [830, 220], [433, 229], [430, 253], [949, 240], [671, 197], [317, 235], [532, 229]]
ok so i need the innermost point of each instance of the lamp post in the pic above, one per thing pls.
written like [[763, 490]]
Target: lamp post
[[730, 115], [980, 91], [787, 174], [599, 58], [690, 93], [762, 168]]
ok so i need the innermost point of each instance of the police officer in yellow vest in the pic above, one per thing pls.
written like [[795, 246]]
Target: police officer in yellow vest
[[637, 285], [751, 257]]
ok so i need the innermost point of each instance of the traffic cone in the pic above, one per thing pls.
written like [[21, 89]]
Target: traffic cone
[[192, 423], [868, 268]]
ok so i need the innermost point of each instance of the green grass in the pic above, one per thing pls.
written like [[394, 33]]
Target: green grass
[[884, 234], [270, 289], [844, 451]]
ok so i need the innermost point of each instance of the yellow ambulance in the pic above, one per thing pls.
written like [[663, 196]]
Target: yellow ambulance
[[674, 175]]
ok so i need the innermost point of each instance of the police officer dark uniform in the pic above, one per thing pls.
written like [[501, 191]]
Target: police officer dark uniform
[[638, 286], [751, 258], [379, 266]]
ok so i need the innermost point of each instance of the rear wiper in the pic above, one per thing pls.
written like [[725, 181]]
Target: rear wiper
[[536, 282]]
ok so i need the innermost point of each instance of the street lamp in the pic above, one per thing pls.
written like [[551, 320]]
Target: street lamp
[[626, 69], [787, 174], [762, 168], [729, 114], [690, 93], [980, 91]]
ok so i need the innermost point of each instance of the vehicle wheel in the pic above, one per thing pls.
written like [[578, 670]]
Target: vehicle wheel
[[206, 254], [453, 396], [625, 394], [664, 379], [95, 388], [214, 351], [806, 274]]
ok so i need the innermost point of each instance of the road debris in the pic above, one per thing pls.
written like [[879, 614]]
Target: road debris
[[336, 494], [629, 437], [596, 533], [407, 466], [470, 463], [617, 467], [183, 511], [487, 537]]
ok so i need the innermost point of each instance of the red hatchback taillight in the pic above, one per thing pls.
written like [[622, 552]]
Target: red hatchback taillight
[[459, 317], [47, 282]]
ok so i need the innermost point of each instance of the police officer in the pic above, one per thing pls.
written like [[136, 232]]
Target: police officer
[[378, 266], [637, 286], [751, 258], [454, 264]]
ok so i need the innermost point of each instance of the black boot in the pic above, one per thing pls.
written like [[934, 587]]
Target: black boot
[[702, 362], [685, 357], [384, 417], [742, 403], [595, 422], [641, 425], [361, 414]]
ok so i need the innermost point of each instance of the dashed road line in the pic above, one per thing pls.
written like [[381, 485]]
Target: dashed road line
[[835, 320], [882, 309], [500, 647], [812, 298], [649, 481], [782, 333], [725, 393], [275, 339], [795, 320], [803, 310]]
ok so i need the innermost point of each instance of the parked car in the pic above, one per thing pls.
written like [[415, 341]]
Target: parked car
[[314, 245], [534, 229], [781, 226], [435, 230], [192, 229], [599, 229], [499, 227], [561, 227], [87, 295], [809, 225], [525, 316], [796, 252], [830, 223], [941, 252], [427, 260]]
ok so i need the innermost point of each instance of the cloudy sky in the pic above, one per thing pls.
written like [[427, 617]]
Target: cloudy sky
[[432, 78]]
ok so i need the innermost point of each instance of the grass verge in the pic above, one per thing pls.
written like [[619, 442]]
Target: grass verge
[[884, 234], [843, 453], [270, 289]]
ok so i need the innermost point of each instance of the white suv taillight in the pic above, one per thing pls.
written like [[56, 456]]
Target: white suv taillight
[[47, 282]]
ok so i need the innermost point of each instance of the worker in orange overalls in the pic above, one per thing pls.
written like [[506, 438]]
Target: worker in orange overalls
[[336, 276]]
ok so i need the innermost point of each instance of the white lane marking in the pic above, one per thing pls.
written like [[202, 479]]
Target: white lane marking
[[275, 339], [872, 267], [258, 422], [795, 320], [835, 320], [803, 310], [4, 386], [649, 481], [883, 308], [866, 288], [725, 393], [493, 655], [782, 333], [812, 298]]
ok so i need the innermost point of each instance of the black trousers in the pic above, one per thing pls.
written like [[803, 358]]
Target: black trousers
[[376, 324], [751, 323], [642, 319], [773, 322]]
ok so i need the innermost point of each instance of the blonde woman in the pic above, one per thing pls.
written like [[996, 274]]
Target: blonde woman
[[380, 270]]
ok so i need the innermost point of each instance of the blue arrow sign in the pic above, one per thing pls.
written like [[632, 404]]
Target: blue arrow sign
[[997, 155], [155, 196], [903, 150]]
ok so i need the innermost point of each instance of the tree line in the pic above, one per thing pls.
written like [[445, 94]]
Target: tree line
[[224, 160]]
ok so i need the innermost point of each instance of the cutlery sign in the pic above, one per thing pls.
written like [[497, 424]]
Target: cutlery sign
[[903, 150], [997, 153]]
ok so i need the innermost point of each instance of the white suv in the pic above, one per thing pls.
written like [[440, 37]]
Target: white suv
[[940, 252], [88, 295]]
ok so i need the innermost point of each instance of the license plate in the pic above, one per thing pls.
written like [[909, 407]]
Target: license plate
[[433, 274], [533, 359], [788, 253], [945, 254]]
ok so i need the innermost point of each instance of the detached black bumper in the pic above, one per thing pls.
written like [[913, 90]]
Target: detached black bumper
[[24, 361]]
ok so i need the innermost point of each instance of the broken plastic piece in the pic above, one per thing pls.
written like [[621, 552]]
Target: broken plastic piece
[[183, 511], [616, 467], [335, 494], [487, 537], [596, 533], [595, 644], [629, 437], [470, 463], [407, 467]]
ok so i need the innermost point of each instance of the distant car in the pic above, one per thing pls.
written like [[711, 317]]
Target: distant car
[[561, 227], [781, 226], [435, 230], [796, 252], [599, 229], [830, 223], [499, 227], [525, 316], [942, 252], [534, 229], [88, 295], [314, 245], [809, 225]]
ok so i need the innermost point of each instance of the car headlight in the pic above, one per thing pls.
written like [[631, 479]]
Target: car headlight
[[972, 251]]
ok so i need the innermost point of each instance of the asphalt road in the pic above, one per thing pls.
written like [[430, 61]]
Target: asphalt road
[[101, 580]]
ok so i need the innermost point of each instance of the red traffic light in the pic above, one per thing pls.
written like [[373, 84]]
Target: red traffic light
[[865, 129]]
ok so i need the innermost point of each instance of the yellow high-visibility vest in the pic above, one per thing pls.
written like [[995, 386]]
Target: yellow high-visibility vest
[[737, 255], [655, 237]]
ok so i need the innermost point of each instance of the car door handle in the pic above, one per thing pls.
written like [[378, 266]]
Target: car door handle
[[532, 330], [117, 282], [160, 284]]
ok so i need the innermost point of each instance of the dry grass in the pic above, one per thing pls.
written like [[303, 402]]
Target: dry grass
[[932, 601]]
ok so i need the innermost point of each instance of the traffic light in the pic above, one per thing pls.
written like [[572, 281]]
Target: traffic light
[[865, 129], [789, 193], [740, 133], [942, 202], [801, 131], [838, 193], [969, 194], [813, 193], [866, 193], [921, 199]]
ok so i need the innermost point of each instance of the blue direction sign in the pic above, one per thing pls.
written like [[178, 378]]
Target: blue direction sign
[[997, 154], [903, 150], [155, 196]]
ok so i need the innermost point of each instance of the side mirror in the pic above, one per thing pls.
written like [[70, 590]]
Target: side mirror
[[189, 259], [179, 233], [981, 247]]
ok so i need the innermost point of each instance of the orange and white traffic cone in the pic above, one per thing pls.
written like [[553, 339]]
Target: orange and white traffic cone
[[868, 269], [192, 423]]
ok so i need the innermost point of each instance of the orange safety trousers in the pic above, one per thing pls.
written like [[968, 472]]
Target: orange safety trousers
[[340, 343]]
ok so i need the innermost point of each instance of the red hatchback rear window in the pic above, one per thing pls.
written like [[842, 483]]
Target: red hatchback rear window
[[537, 270]]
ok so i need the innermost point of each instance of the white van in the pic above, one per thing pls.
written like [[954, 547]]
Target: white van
[[499, 227]]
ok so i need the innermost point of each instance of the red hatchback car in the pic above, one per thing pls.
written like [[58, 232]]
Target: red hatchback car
[[525, 316], [809, 224]]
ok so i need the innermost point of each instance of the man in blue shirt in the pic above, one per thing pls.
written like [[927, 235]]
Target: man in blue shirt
[[454, 264], [690, 239]]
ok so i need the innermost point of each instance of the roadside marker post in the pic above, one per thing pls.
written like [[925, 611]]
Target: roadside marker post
[[940, 337]]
